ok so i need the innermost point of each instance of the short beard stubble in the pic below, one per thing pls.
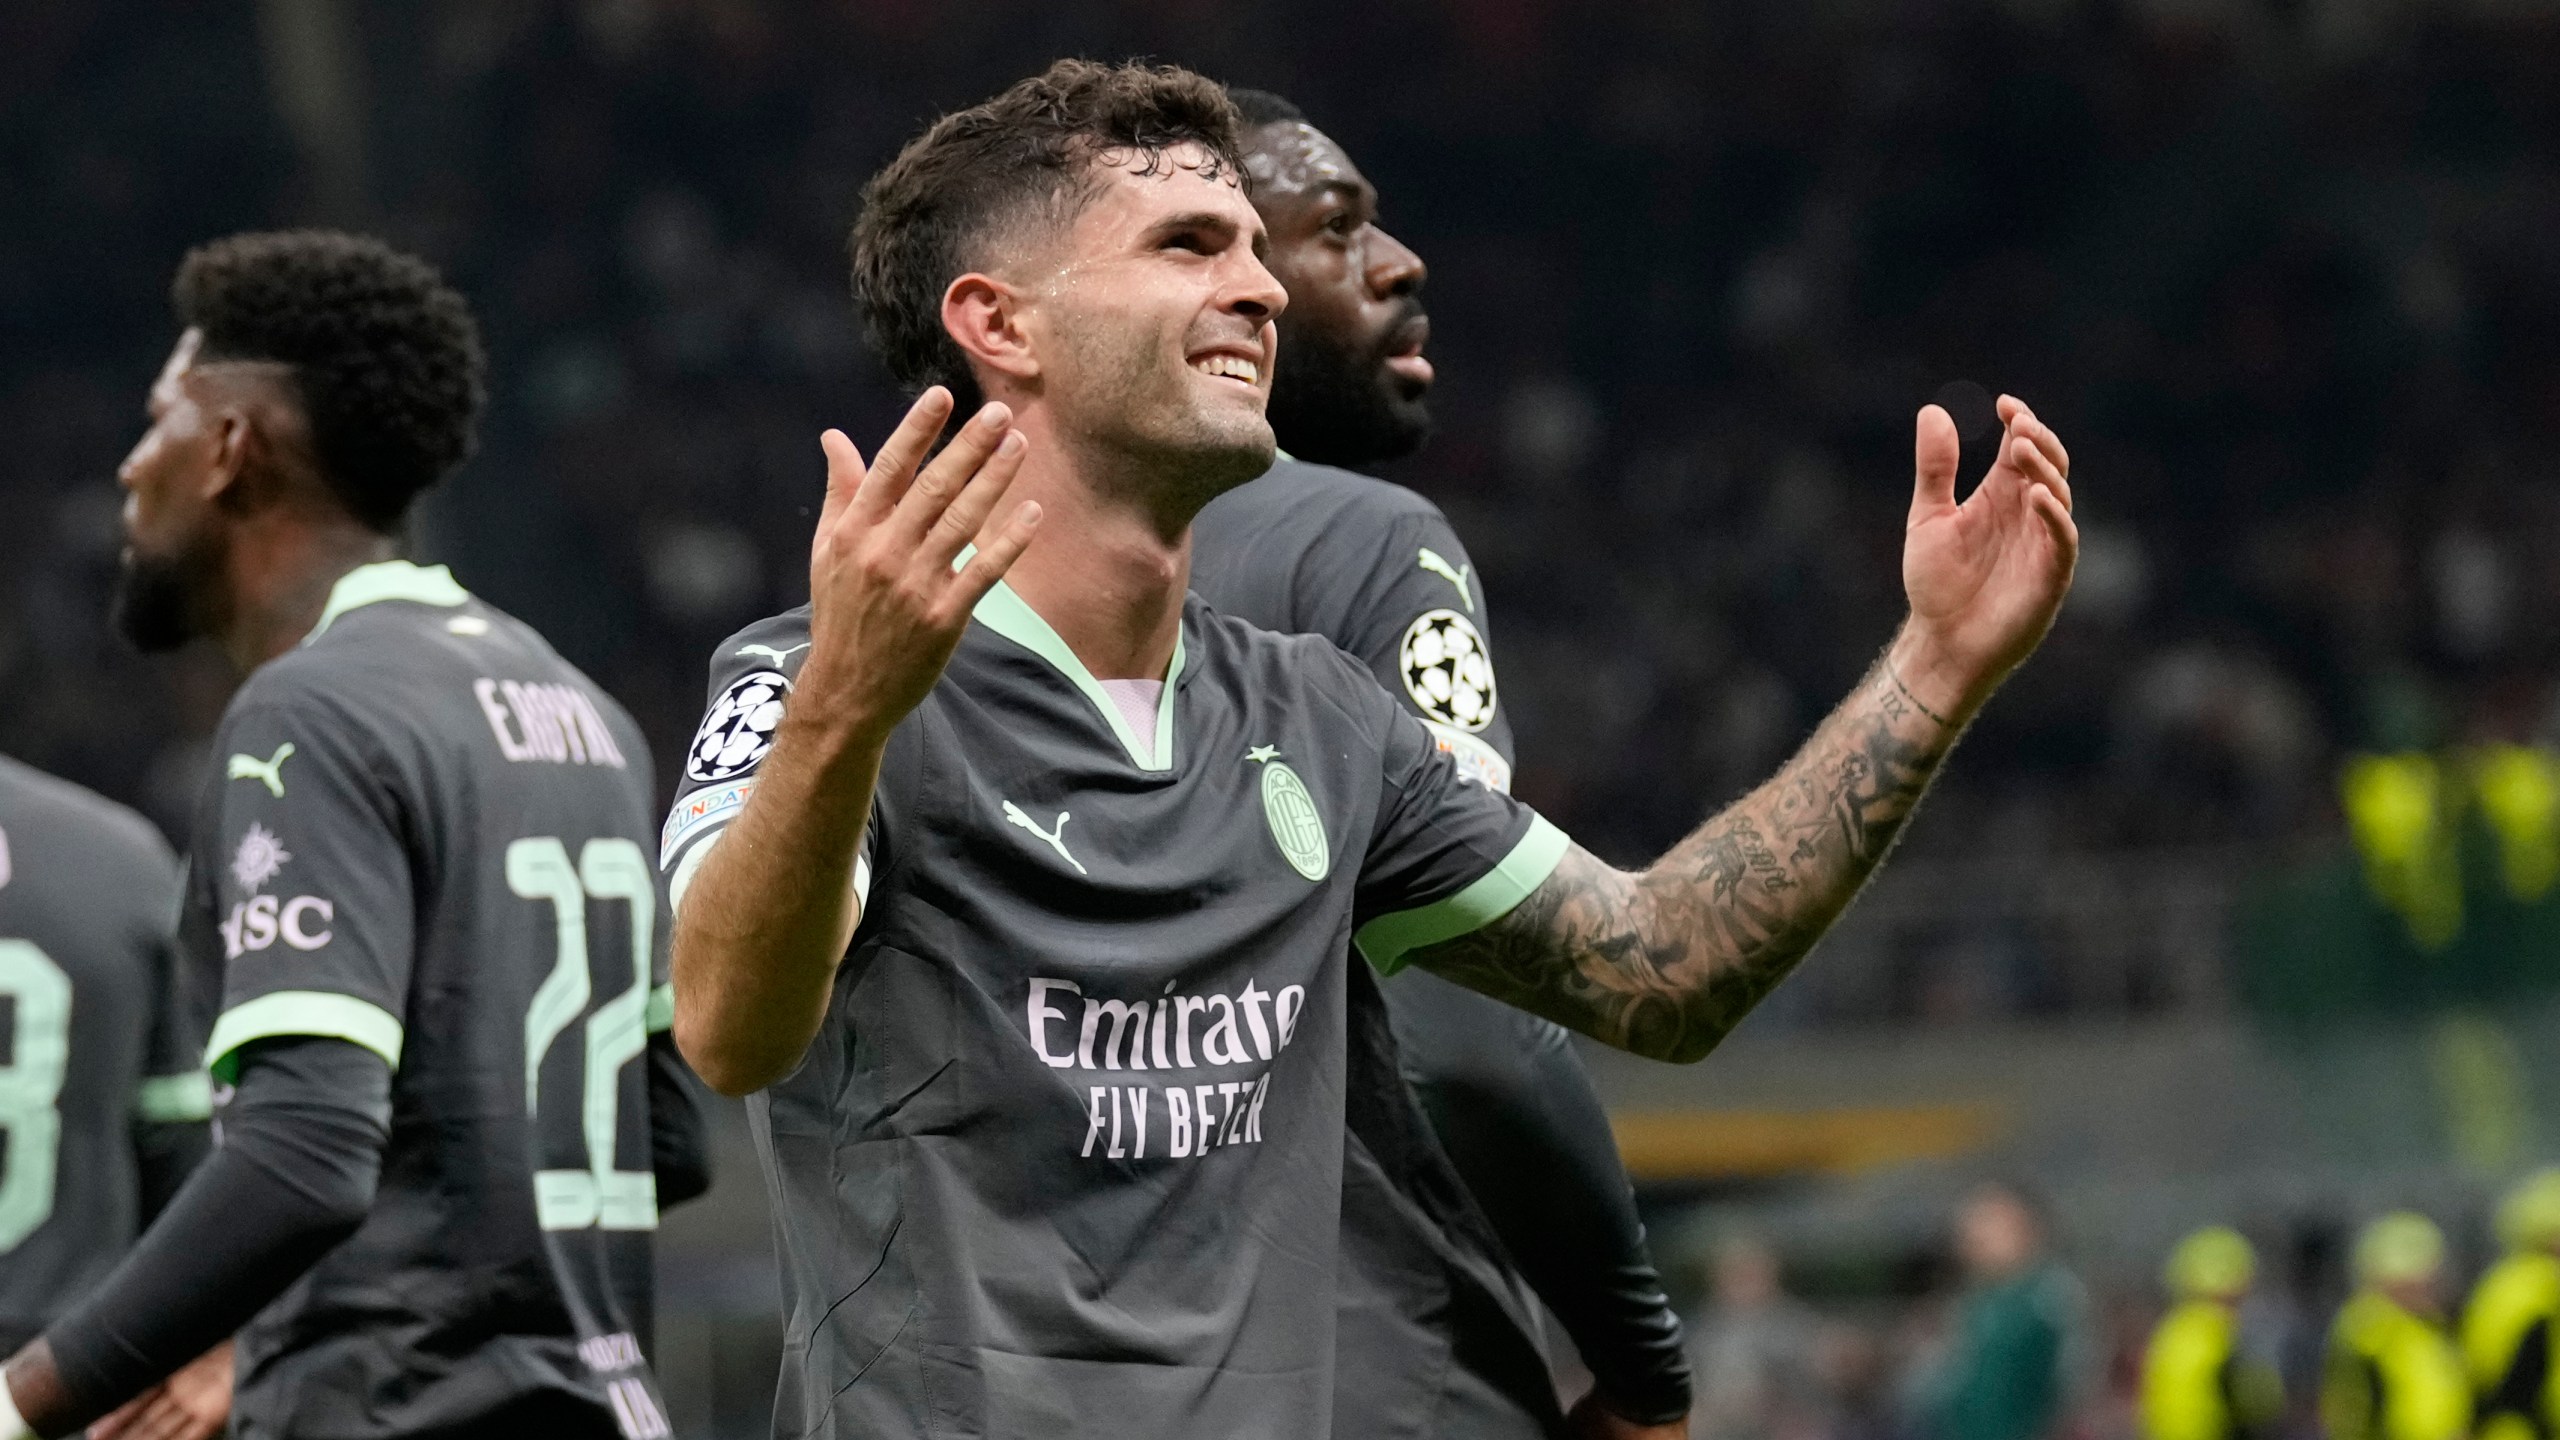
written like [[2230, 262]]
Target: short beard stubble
[[154, 603], [1336, 406]]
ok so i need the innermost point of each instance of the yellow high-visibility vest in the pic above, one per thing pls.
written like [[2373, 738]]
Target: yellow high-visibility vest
[[2518, 1294], [2392, 1375], [2196, 1385]]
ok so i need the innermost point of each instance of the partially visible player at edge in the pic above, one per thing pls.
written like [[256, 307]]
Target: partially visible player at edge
[[105, 1097], [420, 866], [1057, 1142], [1378, 570]]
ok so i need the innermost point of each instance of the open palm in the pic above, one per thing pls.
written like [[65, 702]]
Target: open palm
[[1986, 577]]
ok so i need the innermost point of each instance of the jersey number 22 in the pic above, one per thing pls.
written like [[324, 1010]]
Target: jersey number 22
[[608, 869]]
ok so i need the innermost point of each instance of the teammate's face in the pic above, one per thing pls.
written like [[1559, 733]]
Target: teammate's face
[[172, 545], [1152, 325], [1352, 392]]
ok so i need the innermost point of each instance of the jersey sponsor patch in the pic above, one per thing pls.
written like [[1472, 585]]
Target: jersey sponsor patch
[[260, 858], [739, 729], [1158, 1033], [1447, 671], [695, 812], [302, 923]]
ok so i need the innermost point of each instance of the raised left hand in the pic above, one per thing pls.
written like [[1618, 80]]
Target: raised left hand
[[193, 1404], [1985, 577]]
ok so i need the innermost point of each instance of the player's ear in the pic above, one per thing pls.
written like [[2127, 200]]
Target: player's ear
[[984, 317], [227, 481]]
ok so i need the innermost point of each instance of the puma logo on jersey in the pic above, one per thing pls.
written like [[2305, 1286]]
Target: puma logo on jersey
[[1014, 814], [778, 655], [268, 772], [1430, 560]]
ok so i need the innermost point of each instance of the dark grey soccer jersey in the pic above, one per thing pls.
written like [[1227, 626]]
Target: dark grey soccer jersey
[[96, 1036], [426, 835], [1066, 1157], [1433, 1323], [1375, 568]]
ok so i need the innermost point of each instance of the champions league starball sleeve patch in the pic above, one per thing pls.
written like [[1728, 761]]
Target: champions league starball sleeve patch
[[739, 728], [1447, 670]]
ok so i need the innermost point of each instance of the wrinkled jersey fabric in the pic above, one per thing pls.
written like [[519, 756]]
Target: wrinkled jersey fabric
[[1065, 1157]]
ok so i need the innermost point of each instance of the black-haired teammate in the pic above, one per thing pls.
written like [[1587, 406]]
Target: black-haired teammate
[[420, 872], [1021, 884], [1429, 1345], [103, 1095]]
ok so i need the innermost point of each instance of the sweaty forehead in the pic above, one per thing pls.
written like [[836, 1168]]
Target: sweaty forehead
[[1137, 189], [1292, 157]]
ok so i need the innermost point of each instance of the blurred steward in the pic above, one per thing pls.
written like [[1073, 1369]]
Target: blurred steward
[[2011, 1367], [2198, 1381], [1753, 1350], [2393, 1373], [2508, 1328]]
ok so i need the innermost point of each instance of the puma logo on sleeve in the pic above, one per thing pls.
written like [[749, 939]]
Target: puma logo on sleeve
[[268, 772]]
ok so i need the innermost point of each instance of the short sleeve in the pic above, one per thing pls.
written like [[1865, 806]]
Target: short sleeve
[[751, 679], [310, 880], [1447, 855]]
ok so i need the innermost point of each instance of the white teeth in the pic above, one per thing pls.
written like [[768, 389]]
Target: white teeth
[[1233, 366]]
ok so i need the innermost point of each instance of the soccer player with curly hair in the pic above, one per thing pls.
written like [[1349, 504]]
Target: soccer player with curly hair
[[418, 883], [1018, 885]]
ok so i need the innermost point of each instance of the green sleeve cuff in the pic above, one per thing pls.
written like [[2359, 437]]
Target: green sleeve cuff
[[1387, 940], [661, 1014], [301, 1012], [174, 1099]]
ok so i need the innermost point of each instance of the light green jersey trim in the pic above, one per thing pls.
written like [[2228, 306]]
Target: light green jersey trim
[[302, 1012], [1387, 940], [660, 1017], [174, 1099], [389, 580], [1012, 617]]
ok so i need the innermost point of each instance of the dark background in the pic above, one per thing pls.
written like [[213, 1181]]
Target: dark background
[[2284, 273]]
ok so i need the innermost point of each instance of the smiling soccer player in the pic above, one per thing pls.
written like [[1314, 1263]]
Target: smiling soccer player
[[1053, 1106]]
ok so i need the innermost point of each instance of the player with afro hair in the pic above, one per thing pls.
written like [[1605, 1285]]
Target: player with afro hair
[[320, 382], [383, 355]]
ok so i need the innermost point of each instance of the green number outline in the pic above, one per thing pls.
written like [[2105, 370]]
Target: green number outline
[[31, 1087], [608, 868]]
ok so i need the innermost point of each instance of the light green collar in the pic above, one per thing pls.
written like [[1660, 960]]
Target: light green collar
[[388, 580], [1009, 615]]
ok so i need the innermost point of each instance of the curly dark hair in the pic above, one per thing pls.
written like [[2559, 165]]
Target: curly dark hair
[[385, 357], [929, 215]]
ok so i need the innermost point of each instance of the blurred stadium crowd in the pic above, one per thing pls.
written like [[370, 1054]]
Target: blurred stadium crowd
[[2284, 273]]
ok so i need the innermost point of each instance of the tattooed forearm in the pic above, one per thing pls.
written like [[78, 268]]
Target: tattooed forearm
[[1665, 962]]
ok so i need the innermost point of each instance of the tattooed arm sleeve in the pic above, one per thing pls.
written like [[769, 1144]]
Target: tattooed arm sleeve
[[1667, 960]]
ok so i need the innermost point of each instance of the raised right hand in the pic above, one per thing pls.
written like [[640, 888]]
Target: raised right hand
[[887, 607]]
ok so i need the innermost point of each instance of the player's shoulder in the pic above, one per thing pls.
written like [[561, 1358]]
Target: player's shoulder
[[405, 665], [1327, 494], [74, 814], [777, 642]]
